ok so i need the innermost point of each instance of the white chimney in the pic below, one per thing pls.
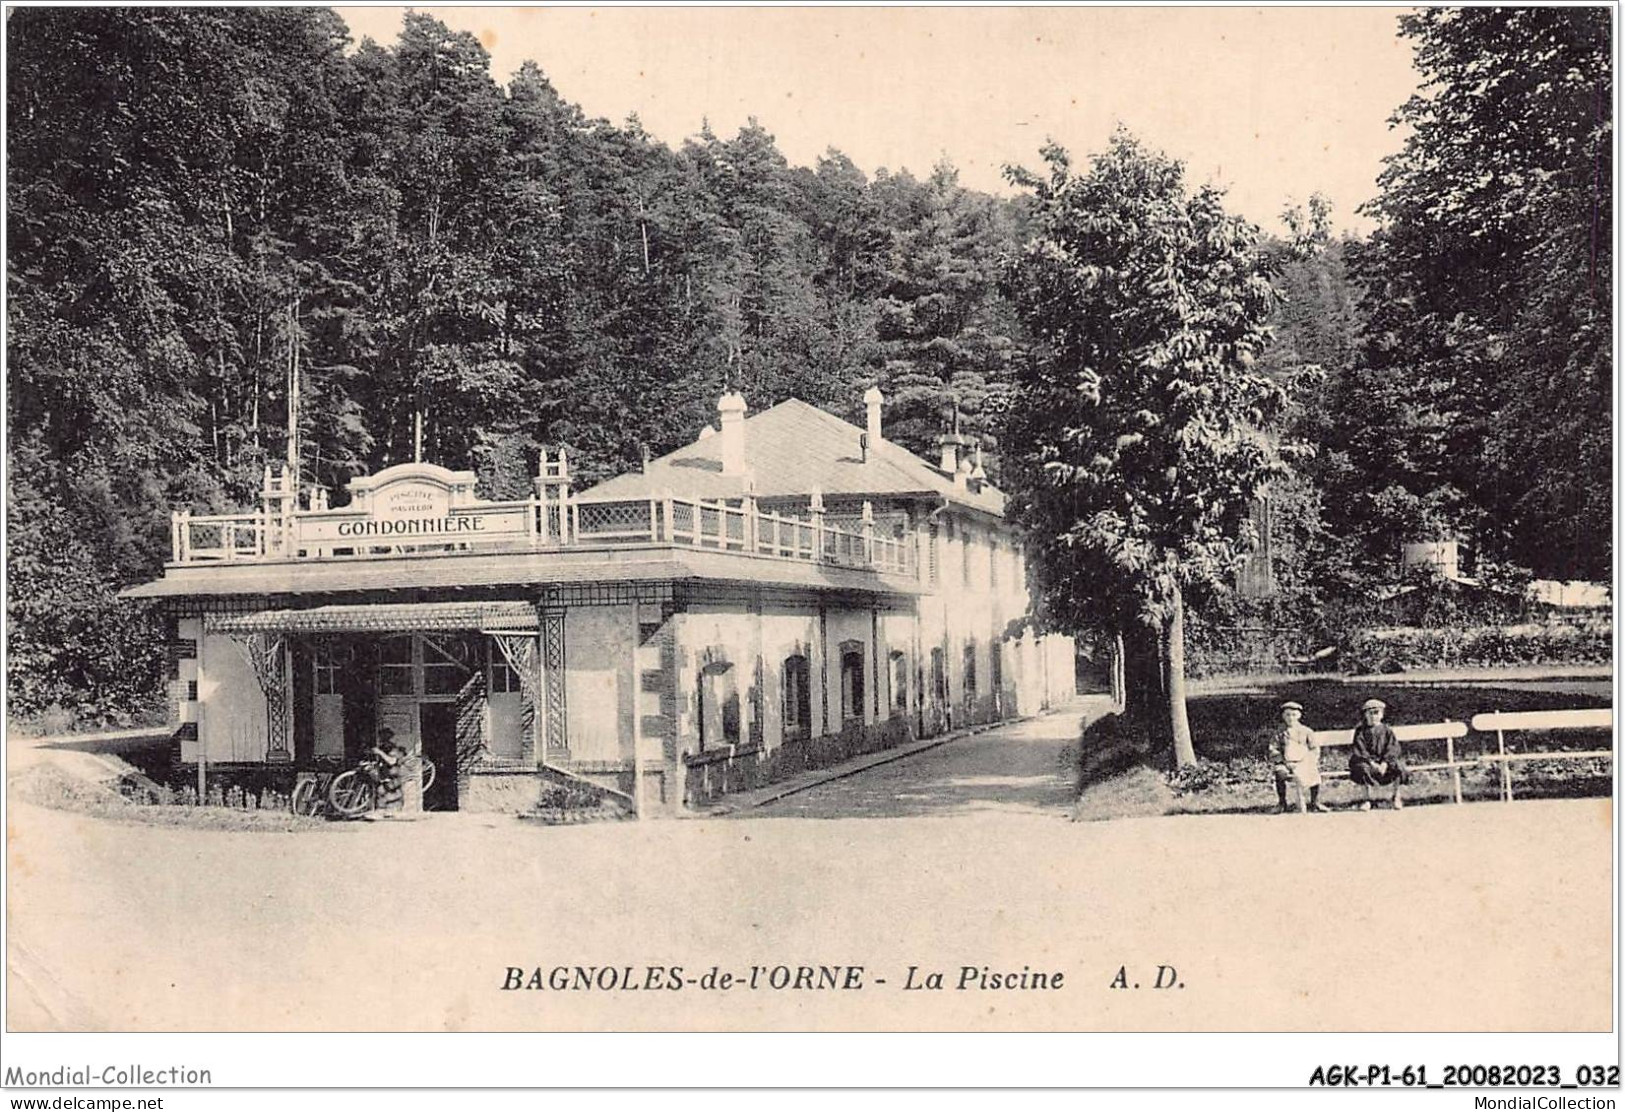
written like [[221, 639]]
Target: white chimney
[[873, 399], [731, 414], [949, 443], [978, 474]]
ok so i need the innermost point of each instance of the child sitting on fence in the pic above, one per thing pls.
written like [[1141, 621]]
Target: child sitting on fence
[[1295, 754], [1375, 756]]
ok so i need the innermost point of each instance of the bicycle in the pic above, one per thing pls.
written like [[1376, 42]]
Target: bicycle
[[309, 796], [353, 793]]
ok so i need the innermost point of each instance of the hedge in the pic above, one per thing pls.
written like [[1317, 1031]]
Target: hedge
[[1405, 649]]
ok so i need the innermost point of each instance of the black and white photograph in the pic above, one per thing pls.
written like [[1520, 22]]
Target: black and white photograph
[[611, 521]]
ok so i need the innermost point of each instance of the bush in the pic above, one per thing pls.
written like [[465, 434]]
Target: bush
[[1405, 649], [564, 797]]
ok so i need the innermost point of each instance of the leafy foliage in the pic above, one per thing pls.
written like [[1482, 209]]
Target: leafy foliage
[[1144, 409], [1478, 408], [234, 243]]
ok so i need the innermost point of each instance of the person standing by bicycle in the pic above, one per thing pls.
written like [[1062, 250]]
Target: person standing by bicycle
[[388, 755]]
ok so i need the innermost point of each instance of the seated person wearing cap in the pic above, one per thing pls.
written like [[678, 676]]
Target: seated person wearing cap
[[1375, 756], [1296, 756]]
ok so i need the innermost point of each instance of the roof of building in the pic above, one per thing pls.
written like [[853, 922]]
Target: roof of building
[[640, 563], [792, 450]]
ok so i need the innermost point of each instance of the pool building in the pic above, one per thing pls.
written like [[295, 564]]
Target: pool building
[[784, 592]]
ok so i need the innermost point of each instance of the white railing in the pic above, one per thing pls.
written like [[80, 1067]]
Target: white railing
[[218, 537], [568, 522]]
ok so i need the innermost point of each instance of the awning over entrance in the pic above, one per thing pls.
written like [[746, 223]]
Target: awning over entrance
[[497, 617]]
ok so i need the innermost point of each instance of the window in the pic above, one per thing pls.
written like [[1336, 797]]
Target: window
[[797, 697], [899, 680], [939, 677], [970, 671], [851, 681], [447, 662], [995, 666], [504, 680], [757, 702], [719, 706], [932, 569], [395, 666], [329, 661], [994, 555], [425, 665]]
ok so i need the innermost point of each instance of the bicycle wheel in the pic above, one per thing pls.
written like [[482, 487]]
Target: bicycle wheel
[[426, 771], [350, 794], [305, 798]]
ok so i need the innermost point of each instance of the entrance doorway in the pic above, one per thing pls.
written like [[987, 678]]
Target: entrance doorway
[[437, 734], [420, 678]]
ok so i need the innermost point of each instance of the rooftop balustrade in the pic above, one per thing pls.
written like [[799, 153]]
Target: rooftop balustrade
[[551, 521]]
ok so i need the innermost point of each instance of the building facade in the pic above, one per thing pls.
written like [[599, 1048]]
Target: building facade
[[785, 592]]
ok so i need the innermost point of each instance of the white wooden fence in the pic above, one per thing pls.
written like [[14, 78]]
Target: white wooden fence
[[1498, 723]]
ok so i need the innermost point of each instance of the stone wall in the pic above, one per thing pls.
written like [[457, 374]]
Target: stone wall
[[711, 775], [493, 790]]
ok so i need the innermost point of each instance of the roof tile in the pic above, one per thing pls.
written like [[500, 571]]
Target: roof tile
[[791, 450]]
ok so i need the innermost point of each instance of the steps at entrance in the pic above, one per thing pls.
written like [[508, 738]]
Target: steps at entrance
[[565, 797]]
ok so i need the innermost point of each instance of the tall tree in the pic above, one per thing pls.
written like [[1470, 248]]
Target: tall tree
[[944, 329], [216, 212], [1142, 411], [1478, 408], [149, 176]]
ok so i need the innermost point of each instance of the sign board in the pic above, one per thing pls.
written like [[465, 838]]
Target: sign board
[[468, 523], [413, 504], [410, 500]]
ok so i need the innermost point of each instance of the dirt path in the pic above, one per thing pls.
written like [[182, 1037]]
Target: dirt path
[[1023, 768], [1499, 916]]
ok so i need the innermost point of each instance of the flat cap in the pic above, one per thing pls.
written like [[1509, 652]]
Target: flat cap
[[1373, 704], [1291, 706]]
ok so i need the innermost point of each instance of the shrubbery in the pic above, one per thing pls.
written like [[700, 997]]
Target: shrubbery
[[1409, 649], [569, 797]]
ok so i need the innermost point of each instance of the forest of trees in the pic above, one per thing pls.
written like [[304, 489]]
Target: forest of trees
[[207, 205]]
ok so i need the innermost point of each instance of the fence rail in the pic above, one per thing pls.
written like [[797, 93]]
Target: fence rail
[[1499, 724], [542, 524]]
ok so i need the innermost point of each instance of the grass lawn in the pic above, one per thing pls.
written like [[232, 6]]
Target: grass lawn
[[1231, 729]]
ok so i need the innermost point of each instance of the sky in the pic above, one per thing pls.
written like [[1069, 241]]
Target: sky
[[1272, 103]]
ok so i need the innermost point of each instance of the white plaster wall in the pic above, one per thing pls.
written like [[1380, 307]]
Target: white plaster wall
[[897, 629], [599, 681], [960, 609], [731, 632], [849, 625], [1062, 672], [232, 707], [786, 631]]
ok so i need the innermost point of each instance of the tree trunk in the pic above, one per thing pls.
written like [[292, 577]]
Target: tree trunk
[[1179, 725], [1144, 700]]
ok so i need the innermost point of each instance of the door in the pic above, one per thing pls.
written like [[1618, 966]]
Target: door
[[398, 689], [437, 729], [329, 661], [505, 705]]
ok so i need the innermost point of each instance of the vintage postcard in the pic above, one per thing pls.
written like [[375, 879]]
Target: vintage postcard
[[807, 520]]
